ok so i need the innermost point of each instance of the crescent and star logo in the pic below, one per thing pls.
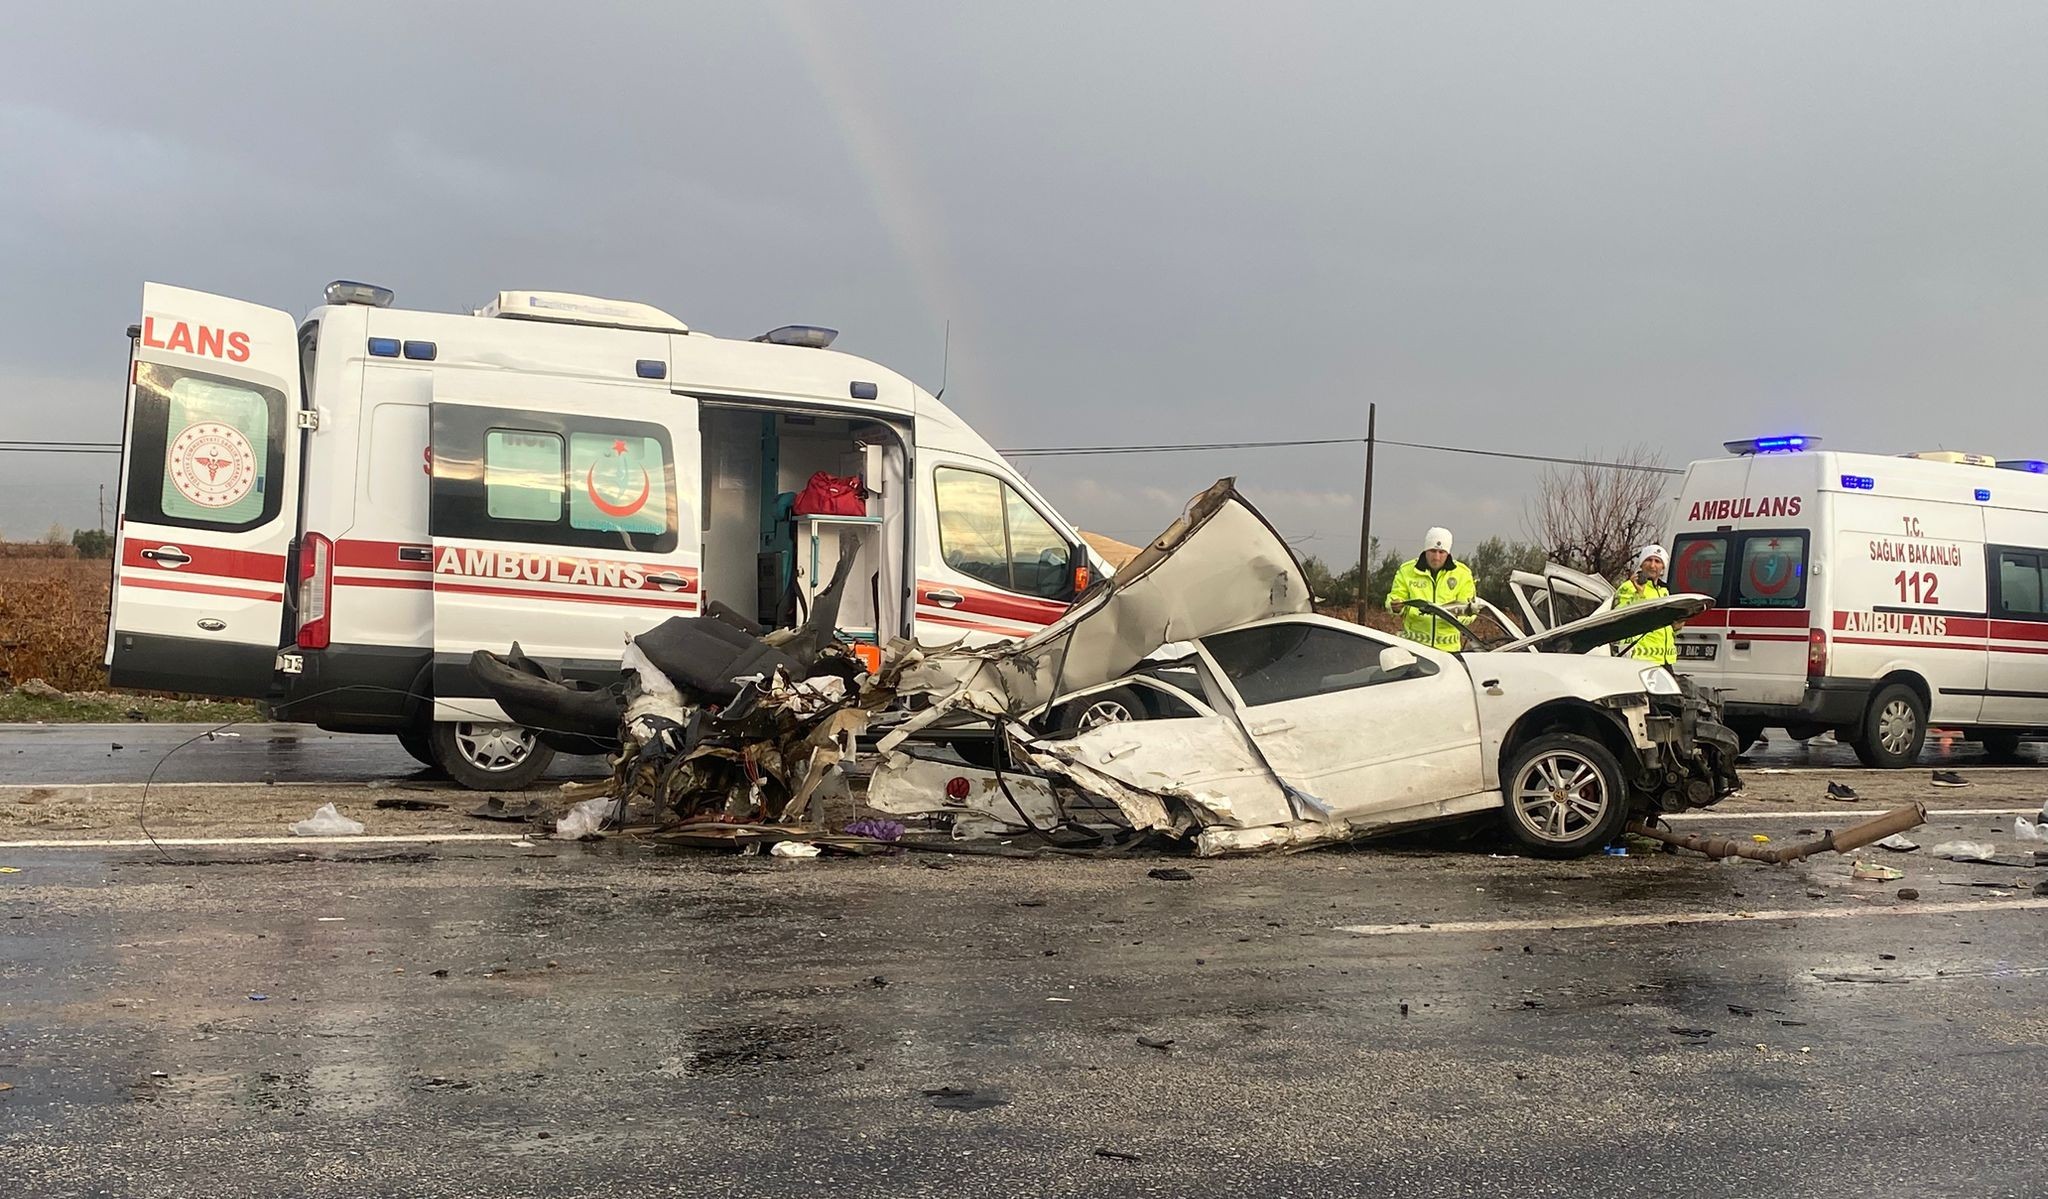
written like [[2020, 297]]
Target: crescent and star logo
[[607, 507]]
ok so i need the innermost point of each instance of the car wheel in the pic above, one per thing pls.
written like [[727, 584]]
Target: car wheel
[[1893, 730], [2003, 746], [419, 743], [489, 757], [1114, 706], [1565, 796]]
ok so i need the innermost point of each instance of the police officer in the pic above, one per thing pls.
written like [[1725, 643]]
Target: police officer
[[1647, 583], [1440, 579]]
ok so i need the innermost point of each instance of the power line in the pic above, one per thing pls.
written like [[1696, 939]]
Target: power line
[[1187, 447], [30, 441], [59, 449]]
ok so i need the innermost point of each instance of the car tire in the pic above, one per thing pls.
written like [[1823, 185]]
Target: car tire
[[1747, 735], [418, 742], [1893, 729], [489, 757], [1114, 706], [2004, 747], [1565, 796]]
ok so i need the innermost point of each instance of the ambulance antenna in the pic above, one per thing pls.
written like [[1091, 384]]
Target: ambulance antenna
[[945, 361]]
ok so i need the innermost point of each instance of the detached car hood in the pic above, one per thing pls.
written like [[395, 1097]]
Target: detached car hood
[[1615, 624], [1219, 566]]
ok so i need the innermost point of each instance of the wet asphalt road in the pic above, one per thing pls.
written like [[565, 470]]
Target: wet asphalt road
[[248, 753], [85, 753], [563, 1020]]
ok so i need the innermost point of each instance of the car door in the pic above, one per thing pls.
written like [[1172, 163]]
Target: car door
[[993, 566], [1341, 730]]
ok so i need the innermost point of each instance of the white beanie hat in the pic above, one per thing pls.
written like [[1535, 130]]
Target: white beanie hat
[[1651, 551], [1437, 539]]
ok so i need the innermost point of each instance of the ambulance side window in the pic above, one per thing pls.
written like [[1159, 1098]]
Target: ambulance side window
[[206, 450], [545, 478], [2020, 590]]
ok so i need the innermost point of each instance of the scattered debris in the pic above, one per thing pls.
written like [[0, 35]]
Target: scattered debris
[[39, 689], [405, 803], [326, 822], [962, 1099], [1949, 778], [1760, 839], [2041, 888], [1897, 843], [880, 830], [1170, 874], [1909, 893], [1964, 851], [1869, 832], [586, 819], [10, 870], [1736, 1009], [1118, 1155], [1162, 1045], [1871, 872], [1697, 1034], [794, 849], [495, 808], [2026, 830], [1842, 791], [258, 997]]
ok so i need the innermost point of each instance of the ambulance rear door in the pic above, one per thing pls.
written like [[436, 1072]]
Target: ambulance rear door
[[209, 495], [564, 517]]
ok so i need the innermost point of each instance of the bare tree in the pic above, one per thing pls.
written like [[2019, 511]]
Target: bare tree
[[1594, 518]]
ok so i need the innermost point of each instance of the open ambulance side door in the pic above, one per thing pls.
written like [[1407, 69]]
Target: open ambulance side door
[[209, 495]]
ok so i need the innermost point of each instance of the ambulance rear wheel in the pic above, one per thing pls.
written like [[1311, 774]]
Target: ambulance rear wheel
[[489, 757], [419, 744], [2002, 747], [1894, 728]]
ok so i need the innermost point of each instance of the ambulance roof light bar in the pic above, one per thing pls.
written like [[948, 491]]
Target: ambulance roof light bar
[[1791, 444], [347, 291], [2031, 465], [812, 337]]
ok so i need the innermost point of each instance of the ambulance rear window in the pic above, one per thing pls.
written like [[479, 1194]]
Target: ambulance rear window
[[205, 451], [1699, 564], [1773, 571]]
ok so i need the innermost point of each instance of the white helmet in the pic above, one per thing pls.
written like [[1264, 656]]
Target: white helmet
[[1437, 539]]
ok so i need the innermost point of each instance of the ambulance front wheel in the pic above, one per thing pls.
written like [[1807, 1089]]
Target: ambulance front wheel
[[420, 744], [1894, 728], [489, 757]]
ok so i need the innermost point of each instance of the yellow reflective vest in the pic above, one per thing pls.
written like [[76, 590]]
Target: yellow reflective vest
[[1659, 647], [1451, 585]]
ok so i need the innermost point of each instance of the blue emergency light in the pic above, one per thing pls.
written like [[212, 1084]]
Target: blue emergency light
[[1790, 444], [1858, 483], [384, 347], [1983, 495], [2032, 466]]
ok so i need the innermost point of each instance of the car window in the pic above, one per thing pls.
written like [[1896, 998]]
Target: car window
[[1270, 664], [206, 451], [523, 475]]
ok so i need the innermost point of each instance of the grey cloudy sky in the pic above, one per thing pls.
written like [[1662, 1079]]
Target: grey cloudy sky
[[1541, 227]]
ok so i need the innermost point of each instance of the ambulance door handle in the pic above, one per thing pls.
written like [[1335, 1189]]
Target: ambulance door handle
[[1741, 645], [169, 555], [415, 553], [944, 598], [668, 582]]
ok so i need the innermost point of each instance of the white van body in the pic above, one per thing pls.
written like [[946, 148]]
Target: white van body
[[1868, 594], [332, 515]]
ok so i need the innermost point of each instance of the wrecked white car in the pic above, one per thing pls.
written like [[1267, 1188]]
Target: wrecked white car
[[1282, 728]]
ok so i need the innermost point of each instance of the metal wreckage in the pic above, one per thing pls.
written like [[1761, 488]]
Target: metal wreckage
[[1259, 725]]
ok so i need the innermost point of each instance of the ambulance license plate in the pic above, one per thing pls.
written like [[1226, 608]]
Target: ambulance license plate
[[1696, 651]]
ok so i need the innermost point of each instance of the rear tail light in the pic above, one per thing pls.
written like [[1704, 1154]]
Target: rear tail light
[[316, 585], [1816, 653]]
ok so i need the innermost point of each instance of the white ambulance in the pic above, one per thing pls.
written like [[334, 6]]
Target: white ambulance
[[1868, 594], [332, 515]]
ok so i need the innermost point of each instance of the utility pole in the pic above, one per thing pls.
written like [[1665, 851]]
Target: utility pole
[[103, 507], [1372, 414]]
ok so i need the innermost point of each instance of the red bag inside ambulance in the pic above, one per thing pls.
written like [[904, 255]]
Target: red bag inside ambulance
[[830, 495]]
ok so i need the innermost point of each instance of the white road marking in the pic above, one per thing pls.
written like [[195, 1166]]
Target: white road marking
[[1851, 815], [132, 842], [1642, 918]]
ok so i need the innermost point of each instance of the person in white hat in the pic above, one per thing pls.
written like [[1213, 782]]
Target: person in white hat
[[1440, 579], [1647, 583]]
